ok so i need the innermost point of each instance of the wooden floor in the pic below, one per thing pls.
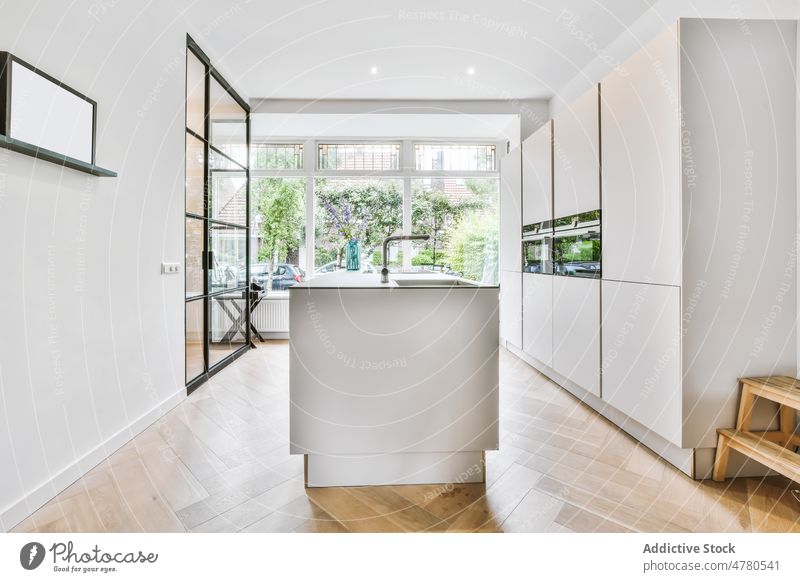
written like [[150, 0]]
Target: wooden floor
[[219, 463]]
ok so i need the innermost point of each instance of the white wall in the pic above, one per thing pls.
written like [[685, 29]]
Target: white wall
[[91, 347]]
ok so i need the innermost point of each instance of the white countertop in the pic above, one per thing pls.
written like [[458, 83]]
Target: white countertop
[[344, 279]]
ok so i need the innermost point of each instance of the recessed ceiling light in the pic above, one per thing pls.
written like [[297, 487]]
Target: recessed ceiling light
[[373, 70], [471, 71]]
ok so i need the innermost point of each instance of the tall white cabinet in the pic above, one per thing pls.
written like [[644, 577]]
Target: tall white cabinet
[[699, 221], [576, 189], [510, 250], [537, 207], [694, 137]]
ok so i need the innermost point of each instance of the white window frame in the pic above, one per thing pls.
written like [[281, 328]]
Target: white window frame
[[406, 173]]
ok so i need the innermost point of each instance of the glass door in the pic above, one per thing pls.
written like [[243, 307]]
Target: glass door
[[217, 220]]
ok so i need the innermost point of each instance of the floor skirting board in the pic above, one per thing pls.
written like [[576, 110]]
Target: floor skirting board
[[34, 499]]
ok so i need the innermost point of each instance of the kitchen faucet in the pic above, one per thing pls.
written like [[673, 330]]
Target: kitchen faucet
[[386, 241]]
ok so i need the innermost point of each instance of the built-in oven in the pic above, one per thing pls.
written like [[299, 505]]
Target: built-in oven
[[537, 248], [576, 246]]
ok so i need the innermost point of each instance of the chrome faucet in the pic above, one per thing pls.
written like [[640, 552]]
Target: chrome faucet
[[386, 241]]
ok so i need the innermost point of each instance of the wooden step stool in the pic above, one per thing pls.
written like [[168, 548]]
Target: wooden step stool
[[773, 448]]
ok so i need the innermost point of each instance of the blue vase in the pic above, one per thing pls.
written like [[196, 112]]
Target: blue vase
[[353, 255]]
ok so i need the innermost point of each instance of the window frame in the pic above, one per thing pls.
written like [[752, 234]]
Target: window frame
[[389, 142], [406, 172], [278, 142]]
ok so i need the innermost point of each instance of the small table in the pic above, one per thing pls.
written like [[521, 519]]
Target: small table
[[240, 316]]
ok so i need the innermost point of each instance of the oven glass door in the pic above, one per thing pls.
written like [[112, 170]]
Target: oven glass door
[[536, 255], [577, 253]]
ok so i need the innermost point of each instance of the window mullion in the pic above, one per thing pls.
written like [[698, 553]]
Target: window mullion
[[407, 165], [310, 167]]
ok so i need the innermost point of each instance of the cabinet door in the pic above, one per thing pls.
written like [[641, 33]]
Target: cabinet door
[[510, 202], [641, 167], [537, 317], [576, 157], [537, 176], [511, 307], [576, 331], [642, 354]]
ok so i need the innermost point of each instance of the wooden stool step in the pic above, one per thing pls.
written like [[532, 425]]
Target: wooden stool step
[[781, 389], [773, 448], [757, 447]]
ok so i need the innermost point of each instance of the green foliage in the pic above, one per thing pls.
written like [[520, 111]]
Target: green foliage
[[435, 214], [473, 249], [279, 201], [325, 255], [365, 211]]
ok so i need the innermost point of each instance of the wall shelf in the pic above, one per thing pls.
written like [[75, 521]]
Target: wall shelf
[[53, 157], [44, 118]]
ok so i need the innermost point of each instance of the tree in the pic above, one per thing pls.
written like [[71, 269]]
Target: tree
[[365, 211], [280, 204], [434, 213]]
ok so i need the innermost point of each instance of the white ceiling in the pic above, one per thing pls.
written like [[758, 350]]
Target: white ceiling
[[324, 49]]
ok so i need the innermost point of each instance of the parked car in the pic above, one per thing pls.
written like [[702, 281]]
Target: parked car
[[283, 277]]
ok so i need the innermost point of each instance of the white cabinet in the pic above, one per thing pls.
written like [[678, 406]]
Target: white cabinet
[[576, 331], [641, 167], [510, 201], [642, 354], [537, 176], [511, 307], [699, 232], [576, 157], [537, 317]]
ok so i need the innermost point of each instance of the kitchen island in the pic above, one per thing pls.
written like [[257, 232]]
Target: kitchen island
[[393, 383]]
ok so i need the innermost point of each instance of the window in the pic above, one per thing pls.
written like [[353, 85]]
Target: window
[[277, 156], [461, 217], [451, 192], [359, 156], [228, 196], [455, 157], [368, 210], [227, 123], [277, 244]]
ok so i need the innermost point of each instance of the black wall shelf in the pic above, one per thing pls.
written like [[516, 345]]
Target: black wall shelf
[[23, 147], [53, 157]]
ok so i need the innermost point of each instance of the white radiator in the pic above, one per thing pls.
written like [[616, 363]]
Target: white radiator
[[272, 316]]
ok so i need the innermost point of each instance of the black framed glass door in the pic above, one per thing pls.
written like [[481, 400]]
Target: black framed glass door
[[217, 313]]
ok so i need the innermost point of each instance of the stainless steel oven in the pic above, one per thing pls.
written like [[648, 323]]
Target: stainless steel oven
[[537, 248], [576, 246]]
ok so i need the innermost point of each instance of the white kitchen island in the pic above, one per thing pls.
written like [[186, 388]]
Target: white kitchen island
[[393, 383]]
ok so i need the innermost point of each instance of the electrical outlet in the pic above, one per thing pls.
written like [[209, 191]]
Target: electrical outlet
[[170, 268]]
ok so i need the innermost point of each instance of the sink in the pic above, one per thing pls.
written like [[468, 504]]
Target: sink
[[430, 282]]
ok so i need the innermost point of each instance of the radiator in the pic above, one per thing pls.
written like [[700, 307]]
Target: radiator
[[272, 315]]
